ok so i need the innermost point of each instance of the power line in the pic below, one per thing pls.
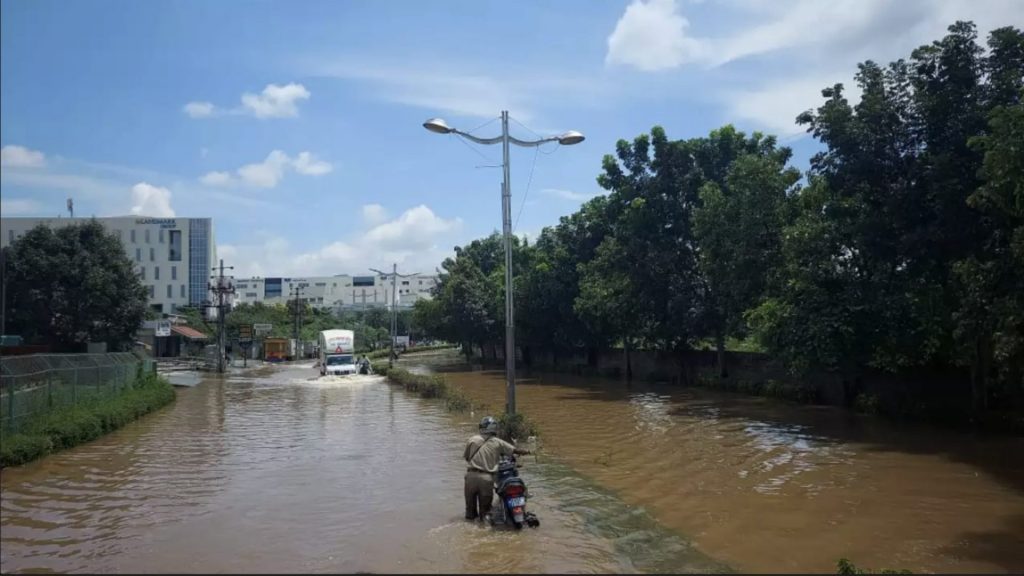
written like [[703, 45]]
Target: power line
[[527, 193]]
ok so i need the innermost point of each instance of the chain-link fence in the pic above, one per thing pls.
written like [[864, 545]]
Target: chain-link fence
[[35, 384]]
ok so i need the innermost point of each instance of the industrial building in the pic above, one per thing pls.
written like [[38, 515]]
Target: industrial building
[[173, 256]]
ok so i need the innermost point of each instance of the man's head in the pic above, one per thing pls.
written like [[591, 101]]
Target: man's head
[[488, 426]]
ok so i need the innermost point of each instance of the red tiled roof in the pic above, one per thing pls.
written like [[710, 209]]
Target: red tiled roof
[[190, 333]]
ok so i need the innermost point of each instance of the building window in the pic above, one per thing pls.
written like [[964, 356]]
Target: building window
[[142, 272], [152, 291], [174, 272], [156, 272], [147, 235], [152, 253], [250, 294], [362, 280], [182, 290], [170, 293], [160, 235], [321, 284], [406, 282], [133, 236], [138, 254], [175, 246], [334, 284]]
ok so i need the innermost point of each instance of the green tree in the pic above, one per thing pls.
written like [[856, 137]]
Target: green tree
[[73, 285]]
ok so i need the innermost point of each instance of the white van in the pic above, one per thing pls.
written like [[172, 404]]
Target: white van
[[337, 352]]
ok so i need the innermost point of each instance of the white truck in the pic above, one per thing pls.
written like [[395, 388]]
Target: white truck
[[337, 352]]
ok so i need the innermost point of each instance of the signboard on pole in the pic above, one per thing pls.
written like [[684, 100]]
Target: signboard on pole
[[261, 329], [245, 333], [163, 329]]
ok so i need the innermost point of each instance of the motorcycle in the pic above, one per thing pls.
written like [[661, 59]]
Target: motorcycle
[[512, 493]]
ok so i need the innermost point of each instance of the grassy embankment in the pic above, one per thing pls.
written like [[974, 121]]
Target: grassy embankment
[[73, 425], [517, 426]]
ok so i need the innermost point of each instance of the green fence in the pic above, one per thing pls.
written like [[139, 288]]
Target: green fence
[[35, 384]]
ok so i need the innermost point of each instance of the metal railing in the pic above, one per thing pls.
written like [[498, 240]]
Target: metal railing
[[36, 384]]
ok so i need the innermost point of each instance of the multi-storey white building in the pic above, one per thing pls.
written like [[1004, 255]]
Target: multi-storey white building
[[338, 292], [173, 256]]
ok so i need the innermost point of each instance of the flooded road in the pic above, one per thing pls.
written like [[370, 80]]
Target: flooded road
[[768, 486], [274, 470]]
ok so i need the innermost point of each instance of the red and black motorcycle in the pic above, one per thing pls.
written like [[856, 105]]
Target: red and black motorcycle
[[512, 493]]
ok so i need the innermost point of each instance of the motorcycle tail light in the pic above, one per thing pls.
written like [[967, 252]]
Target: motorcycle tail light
[[514, 490]]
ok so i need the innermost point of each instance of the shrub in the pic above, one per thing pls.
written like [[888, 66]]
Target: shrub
[[866, 403], [844, 566], [516, 426]]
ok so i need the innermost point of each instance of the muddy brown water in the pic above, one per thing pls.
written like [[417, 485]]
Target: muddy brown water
[[768, 486], [276, 471]]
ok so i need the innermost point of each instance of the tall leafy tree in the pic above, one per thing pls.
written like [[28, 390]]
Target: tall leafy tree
[[73, 285]]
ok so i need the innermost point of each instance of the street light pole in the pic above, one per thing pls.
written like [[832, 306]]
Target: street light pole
[[394, 306], [569, 138]]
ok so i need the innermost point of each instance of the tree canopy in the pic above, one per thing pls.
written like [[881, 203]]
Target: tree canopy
[[72, 285], [902, 247]]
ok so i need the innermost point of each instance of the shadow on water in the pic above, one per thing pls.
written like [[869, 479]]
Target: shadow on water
[[992, 545]]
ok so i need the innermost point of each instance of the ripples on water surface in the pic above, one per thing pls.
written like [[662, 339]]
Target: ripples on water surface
[[770, 486], [274, 470]]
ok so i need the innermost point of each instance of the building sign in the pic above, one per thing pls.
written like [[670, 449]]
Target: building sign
[[261, 329], [163, 329], [162, 222]]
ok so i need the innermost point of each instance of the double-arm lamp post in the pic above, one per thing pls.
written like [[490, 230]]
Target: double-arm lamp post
[[571, 137]]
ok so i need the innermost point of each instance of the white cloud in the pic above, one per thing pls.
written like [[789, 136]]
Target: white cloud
[[19, 206], [800, 46], [12, 156], [440, 89], [149, 200], [265, 174], [651, 36], [413, 240], [414, 226], [774, 107], [307, 164], [568, 194], [269, 172], [216, 179], [374, 214], [275, 101], [199, 109]]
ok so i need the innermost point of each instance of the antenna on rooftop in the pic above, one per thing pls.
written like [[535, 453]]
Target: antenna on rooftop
[[71, 208]]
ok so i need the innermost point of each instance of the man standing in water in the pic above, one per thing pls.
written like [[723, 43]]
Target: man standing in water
[[483, 453]]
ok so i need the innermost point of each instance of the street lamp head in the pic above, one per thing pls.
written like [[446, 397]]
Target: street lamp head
[[571, 137], [438, 125]]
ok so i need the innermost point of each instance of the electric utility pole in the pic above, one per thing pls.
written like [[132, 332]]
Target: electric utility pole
[[223, 287], [296, 293], [394, 305]]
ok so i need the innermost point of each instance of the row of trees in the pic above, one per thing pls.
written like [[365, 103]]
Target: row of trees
[[371, 326], [902, 247]]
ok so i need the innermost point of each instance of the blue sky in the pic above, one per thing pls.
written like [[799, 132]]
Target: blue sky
[[296, 125]]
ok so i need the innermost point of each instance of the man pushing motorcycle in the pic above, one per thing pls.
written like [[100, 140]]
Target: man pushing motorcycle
[[483, 454]]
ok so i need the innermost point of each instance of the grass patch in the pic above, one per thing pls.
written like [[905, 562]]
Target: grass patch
[[74, 425], [435, 386]]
